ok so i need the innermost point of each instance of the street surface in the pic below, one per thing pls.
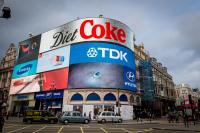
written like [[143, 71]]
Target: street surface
[[93, 127]]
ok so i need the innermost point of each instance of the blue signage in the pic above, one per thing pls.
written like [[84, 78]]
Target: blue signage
[[129, 79], [25, 69], [22, 97], [102, 52], [49, 95]]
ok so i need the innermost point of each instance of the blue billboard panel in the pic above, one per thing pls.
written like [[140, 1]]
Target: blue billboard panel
[[129, 79], [25, 69], [52, 60], [102, 52], [49, 95]]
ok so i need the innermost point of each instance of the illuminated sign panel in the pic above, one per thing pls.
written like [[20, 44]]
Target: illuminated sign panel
[[102, 52], [29, 49], [101, 75], [52, 60], [25, 69], [89, 29], [55, 80], [25, 85]]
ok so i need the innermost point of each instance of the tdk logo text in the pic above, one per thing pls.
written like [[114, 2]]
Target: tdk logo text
[[24, 69], [104, 52]]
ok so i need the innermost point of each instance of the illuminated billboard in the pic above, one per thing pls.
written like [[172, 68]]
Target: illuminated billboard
[[25, 85], [54, 59], [25, 69], [88, 29], [101, 75], [29, 49], [102, 52], [55, 80]]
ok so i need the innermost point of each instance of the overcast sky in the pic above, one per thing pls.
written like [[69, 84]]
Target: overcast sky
[[169, 29]]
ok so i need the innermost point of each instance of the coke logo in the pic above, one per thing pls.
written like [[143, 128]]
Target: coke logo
[[107, 32]]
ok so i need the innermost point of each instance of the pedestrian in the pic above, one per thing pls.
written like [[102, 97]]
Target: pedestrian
[[1, 123], [7, 115], [90, 115], [194, 119], [186, 119]]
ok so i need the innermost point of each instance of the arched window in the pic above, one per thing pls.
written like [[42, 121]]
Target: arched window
[[77, 97], [109, 97], [93, 97], [123, 98], [137, 99]]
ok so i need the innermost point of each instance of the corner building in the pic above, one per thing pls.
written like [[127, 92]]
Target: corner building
[[87, 65]]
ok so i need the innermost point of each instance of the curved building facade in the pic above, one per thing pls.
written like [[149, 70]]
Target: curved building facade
[[86, 65]]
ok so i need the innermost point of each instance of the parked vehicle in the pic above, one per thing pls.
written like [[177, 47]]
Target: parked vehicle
[[73, 117], [108, 116], [39, 116]]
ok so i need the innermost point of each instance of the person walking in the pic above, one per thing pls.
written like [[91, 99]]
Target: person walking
[[1, 123], [186, 119]]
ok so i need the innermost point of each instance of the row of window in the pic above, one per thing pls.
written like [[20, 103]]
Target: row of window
[[96, 97]]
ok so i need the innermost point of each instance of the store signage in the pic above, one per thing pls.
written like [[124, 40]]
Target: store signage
[[102, 52], [49, 95], [89, 29], [25, 69], [22, 97]]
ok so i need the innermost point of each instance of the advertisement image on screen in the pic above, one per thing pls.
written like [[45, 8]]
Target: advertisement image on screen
[[55, 80], [29, 49], [25, 69], [86, 30], [102, 52], [54, 59], [129, 79], [25, 85], [96, 75]]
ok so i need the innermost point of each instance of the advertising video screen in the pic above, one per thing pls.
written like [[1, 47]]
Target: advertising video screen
[[25, 69], [101, 75], [55, 80], [26, 85], [87, 30], [102, 52], [54, 59], [29, 49]]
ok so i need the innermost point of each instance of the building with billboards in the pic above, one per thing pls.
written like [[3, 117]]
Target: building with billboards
[[87, 65]]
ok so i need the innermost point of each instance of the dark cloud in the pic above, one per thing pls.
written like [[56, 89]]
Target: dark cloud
[[169, 29]]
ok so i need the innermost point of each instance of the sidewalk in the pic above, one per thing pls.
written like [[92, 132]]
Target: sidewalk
[[14, 120]]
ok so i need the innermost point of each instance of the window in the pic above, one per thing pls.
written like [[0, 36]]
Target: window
[[109, 97], [93, 97], [108, 113], [67, 114], [103, 114], [77, 97], [123, 98]]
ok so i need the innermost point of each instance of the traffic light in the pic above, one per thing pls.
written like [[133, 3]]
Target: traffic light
[[6, 12]]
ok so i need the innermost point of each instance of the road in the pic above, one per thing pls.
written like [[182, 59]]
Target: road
[[98, 128]]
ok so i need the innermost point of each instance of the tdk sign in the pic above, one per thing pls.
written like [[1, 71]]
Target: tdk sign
[[102, 52], [112, 53], [25, 69]]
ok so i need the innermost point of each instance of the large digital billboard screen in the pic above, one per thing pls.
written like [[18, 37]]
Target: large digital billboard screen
[[101, 75], [29, 49], [102, 52], [55, 80], [88, 29], [25, 69], [54, 59], [26, 85]]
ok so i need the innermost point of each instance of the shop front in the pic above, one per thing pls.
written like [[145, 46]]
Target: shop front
[[22, 103], [51, 100]]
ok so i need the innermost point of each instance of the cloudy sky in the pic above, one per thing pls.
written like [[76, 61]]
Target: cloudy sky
[[169, 29]]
